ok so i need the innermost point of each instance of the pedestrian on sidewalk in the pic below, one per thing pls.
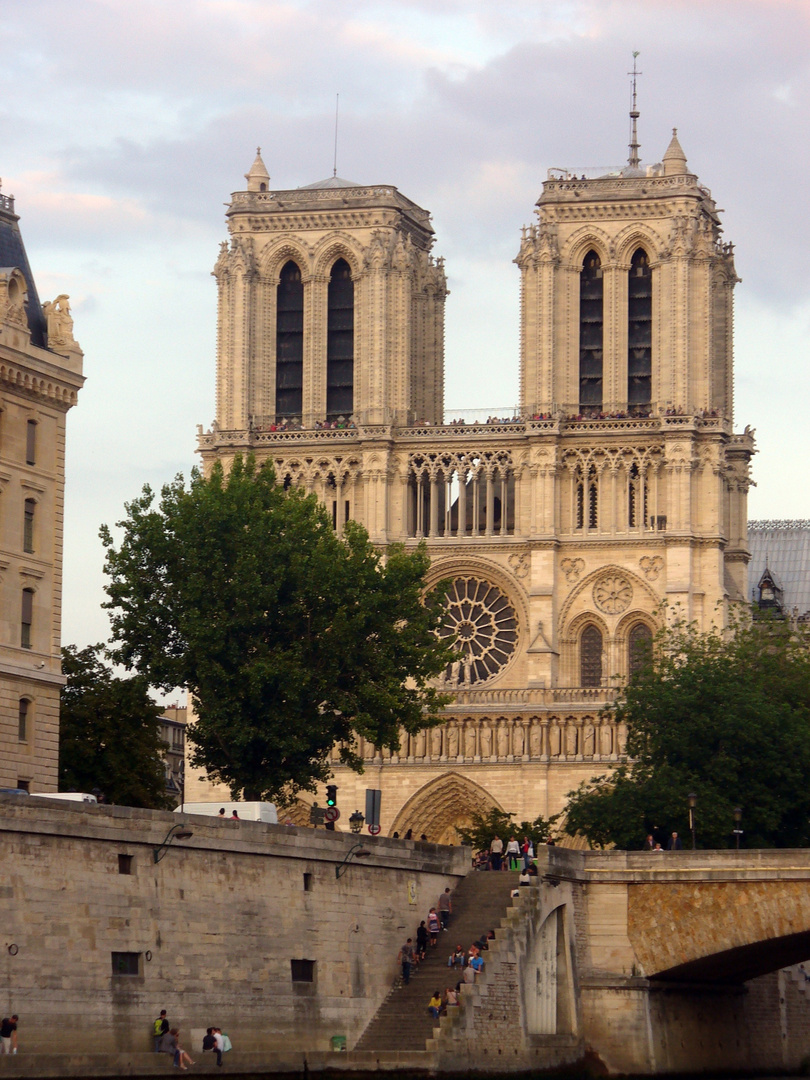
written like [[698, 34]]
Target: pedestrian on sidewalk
[[513, 853], [159, 1028], [445, 908], [421, 940], [434, 926], [496, 852], [406, 959], [8, 1034]]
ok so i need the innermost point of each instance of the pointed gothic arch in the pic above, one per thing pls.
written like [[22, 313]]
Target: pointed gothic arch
[[443, 804]]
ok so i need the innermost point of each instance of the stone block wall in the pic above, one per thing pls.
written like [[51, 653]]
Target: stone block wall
[[209, 932]]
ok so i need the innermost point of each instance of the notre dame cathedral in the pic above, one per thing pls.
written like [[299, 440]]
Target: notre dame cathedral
[[618, 484]]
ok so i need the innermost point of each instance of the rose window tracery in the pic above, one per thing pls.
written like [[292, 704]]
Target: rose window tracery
[[613, 594], [484, 625]]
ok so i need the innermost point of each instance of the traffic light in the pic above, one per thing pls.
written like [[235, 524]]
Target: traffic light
[[331, 794], [331, 806]]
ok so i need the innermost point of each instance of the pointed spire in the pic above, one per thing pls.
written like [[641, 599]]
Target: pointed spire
[[674, 160], [634, 159], [258, 178]]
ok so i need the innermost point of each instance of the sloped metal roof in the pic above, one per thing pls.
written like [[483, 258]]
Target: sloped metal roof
[[12, 253], [331, 182], [784, 548]]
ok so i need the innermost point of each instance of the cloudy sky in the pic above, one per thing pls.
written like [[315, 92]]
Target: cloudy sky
[[125, 127]]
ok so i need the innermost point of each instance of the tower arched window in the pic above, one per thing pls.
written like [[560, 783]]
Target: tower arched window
[[340, 343], [590, 656], [289, 342], [636, 497], [639, 331], [639, 647], [591, 333], [587, 497]]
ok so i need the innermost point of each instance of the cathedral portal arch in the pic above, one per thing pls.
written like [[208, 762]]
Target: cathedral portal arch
[[440, 807]]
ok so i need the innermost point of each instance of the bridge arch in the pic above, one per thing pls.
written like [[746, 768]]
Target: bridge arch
[[441, 806]]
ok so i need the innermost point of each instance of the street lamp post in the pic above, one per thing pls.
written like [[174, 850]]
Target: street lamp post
[[176, 832], [738, 825], [356, 851], [356, 821], [692, 799]]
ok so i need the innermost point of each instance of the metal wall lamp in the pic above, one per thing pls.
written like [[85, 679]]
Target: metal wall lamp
[[356, 851], [176, 832]]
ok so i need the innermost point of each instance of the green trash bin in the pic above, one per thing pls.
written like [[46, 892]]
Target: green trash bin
[[339, 1043]]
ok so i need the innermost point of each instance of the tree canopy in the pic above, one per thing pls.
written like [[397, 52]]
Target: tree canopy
[[290, 638], [109, 735], [724, 715]]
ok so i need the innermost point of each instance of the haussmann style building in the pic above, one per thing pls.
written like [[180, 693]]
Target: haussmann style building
[[40, 377], [619, 484]]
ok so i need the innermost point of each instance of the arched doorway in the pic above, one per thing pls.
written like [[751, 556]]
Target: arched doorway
[[441, 806]]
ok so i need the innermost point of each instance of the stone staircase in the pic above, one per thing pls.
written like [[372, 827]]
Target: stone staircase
[[402, 1023]]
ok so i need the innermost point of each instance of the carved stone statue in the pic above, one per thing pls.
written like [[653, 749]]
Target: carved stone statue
[[486, 741], [518, 741], [554, 739], [60, 324], [535, 740], [469, 740], [570, 740], [419, 748], [605, 739], [503, 740], [452, 741], [435, 742], [588, 740]]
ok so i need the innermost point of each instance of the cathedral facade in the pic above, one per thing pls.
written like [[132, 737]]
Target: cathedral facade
[[618, 486]]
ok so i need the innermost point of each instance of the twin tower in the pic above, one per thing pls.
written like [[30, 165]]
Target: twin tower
[[619, 485]]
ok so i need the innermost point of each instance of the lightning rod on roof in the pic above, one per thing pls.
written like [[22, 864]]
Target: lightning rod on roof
[[634, 159], [337, 104]]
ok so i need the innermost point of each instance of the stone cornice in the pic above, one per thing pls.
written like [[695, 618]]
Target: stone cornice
[[40, 379]]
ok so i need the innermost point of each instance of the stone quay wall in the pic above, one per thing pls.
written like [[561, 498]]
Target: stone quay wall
[[244, 925]]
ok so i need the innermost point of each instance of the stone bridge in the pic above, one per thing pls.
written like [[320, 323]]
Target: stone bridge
[[674, 962]]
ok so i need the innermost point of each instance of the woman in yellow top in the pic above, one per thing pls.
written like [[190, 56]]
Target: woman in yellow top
[[435, 1004]]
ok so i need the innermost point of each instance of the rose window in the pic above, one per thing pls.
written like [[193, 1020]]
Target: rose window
[[484, 626], [613, 594]]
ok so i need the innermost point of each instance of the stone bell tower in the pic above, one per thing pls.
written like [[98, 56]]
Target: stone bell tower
[[331, 308]]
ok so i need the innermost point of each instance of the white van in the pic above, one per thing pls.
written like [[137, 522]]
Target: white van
[[68, 796], [247, 811]]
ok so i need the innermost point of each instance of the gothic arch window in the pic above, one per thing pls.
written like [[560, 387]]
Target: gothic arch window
[[636, 497], [587, 498], [340, 343], [591, 327], [289, 342], [639, 331], [590, 656], [639, 647]]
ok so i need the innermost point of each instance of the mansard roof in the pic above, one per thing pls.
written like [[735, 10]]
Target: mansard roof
[[12, 253], [782, 548]]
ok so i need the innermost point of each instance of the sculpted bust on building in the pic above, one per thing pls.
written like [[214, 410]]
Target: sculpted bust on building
[[619, 485]]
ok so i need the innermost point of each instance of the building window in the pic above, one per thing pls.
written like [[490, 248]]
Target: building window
[[125, 865], [31, 443], [28, 525], [590, 656], [24, 716], [340, 343], [289, 342], [23, 785], [126, 963], [26, 618], [639, 647], [639, 331], [307, 882], [591, 325], [587, 497], [302, 971]]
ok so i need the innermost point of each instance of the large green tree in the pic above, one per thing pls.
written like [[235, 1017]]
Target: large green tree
[[109, 734], [290, 638], [725, 715]]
